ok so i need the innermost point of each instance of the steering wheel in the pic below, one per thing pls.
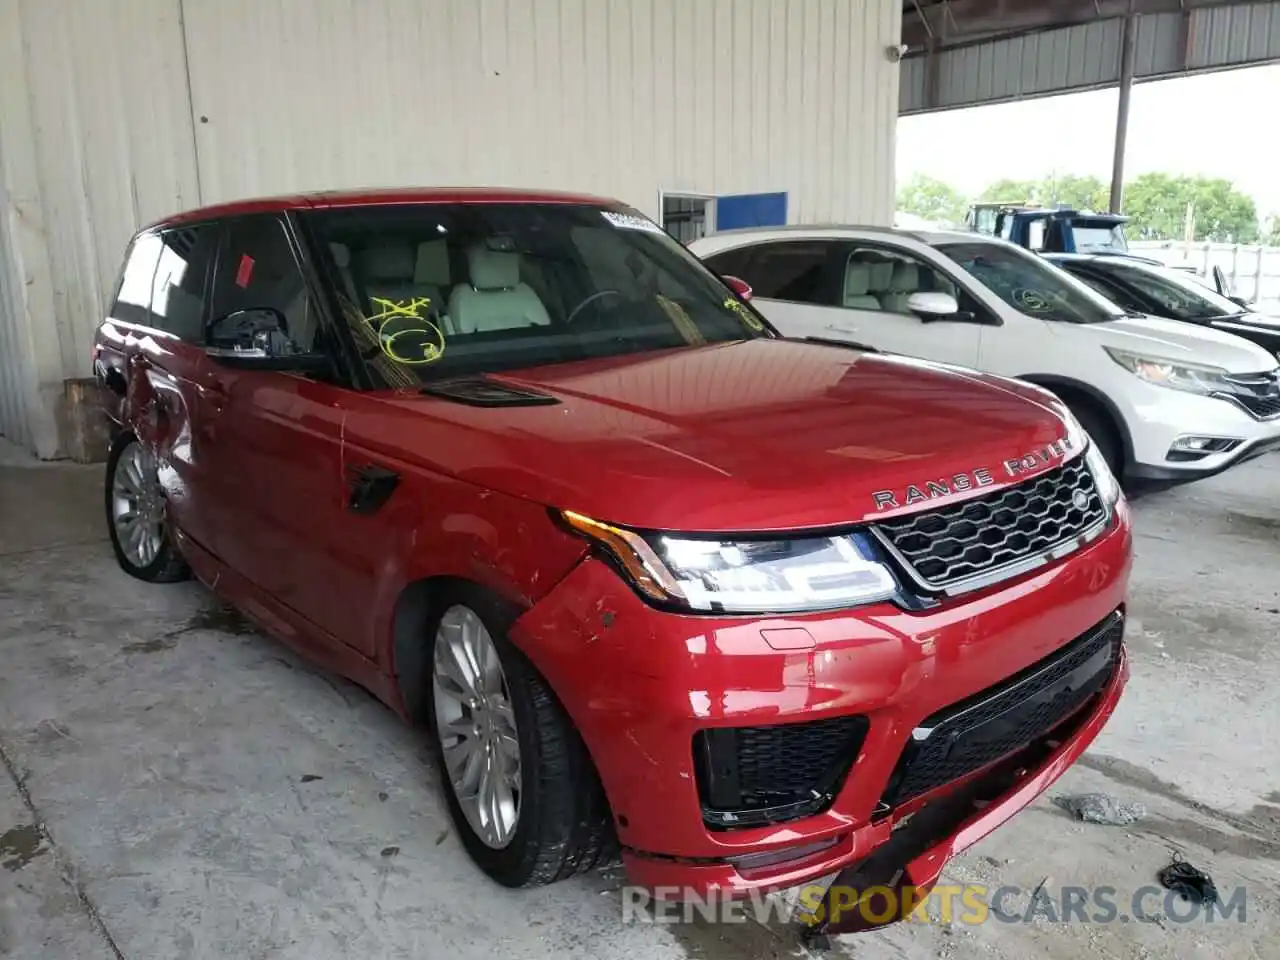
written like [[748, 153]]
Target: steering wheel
[[593, 297]]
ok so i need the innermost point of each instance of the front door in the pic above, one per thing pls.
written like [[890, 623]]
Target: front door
[[856, 292], [877, 281], [277, 434]]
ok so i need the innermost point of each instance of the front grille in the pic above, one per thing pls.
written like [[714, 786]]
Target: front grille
[[754, 775], [1003, 719], [1257, 393], [944, 547], [1261, 408]]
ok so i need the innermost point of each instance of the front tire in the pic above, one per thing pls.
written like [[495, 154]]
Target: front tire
[[137, 517], [521, 788], [1103, 434]]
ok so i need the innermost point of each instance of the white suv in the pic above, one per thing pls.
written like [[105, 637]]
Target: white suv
[[1163, 400]]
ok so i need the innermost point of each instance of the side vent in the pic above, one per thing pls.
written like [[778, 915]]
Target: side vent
[[480, 391]]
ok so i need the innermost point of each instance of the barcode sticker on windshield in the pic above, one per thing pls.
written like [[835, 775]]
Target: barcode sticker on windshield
[[628, 222]]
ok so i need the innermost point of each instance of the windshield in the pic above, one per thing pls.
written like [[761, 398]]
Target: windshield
[[1030, 284], [1092, 238], [1179, 295], [444, 290]]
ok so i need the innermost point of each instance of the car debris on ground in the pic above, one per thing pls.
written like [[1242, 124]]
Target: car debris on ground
[[1190, 882], [1101, 808]]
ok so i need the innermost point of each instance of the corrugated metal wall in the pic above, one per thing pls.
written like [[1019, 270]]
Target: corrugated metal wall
[[621, 97], [139, 108], [1087, 56], [97, 138]]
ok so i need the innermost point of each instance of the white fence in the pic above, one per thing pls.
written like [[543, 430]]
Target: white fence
[[1252, 272]]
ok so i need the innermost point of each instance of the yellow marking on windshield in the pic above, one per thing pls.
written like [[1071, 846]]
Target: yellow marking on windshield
[[403, 333], [745, 315]]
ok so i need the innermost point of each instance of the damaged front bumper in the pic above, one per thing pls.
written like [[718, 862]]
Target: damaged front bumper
[[648, 689]]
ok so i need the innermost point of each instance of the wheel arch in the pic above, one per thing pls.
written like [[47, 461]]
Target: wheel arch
[[417, 605], [1069, 389]]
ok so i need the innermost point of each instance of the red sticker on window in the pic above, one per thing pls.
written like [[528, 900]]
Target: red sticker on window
[[245, 271]]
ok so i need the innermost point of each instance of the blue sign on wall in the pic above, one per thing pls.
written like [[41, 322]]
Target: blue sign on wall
[[751, 210]]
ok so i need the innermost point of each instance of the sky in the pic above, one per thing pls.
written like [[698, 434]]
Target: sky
[[1219, 125]]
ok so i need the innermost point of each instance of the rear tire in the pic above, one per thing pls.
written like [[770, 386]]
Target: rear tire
[[137, 516], [563, 825]]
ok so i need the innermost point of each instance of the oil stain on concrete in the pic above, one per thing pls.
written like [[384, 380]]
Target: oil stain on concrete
[[220, 618], [20, 845], [154, 645]]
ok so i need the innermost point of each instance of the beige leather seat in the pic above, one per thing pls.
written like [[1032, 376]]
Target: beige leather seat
[[857, 283], [431, 271], [390, 273], [905, 281], [495, 299]]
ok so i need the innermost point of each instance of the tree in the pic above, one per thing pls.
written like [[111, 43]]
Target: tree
[[1012, 191], [932, 199], [1157, 205], [1271, 236], [1080, 193]]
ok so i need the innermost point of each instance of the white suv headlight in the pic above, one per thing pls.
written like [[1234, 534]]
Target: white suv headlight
[[1188, 377]]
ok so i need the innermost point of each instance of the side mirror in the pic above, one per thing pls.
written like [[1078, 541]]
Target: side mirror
[[246, 329], [1220, 282], [258, 339], [1238, 301], [740, 287], [931, 306]]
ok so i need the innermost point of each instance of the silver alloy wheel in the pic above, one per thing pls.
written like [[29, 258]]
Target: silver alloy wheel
[[476, 726], [137, 506]]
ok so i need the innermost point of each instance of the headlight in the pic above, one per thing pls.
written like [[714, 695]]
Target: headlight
[[746, 575], [1189, 377], [1103, 479]]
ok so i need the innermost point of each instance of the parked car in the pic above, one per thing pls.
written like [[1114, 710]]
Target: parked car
[[1150, 288], [1163, 401], [652, 576]]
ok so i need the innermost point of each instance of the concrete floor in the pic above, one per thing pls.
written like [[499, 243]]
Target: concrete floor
[[180, 786]]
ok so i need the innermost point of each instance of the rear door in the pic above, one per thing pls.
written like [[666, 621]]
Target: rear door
[[152, 346], [795, 283]]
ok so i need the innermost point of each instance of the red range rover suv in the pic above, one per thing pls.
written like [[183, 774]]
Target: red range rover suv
[[656, 580]]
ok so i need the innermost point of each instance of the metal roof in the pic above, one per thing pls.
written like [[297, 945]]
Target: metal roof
[[966, 52]]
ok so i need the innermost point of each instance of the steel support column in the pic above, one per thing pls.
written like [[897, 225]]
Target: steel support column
[[1122, 111]]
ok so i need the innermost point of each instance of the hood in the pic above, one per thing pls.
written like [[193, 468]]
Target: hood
[[751, 436], [1250, 321], [1176, 340]]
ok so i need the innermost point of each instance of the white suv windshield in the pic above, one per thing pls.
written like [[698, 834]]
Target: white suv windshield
[[1031, 285]]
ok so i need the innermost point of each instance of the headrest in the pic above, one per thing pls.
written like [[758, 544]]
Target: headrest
[[881, 274], [493, 269], [857, 278], [432, 266], [341, 255], [906, 278], [387, 263]]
